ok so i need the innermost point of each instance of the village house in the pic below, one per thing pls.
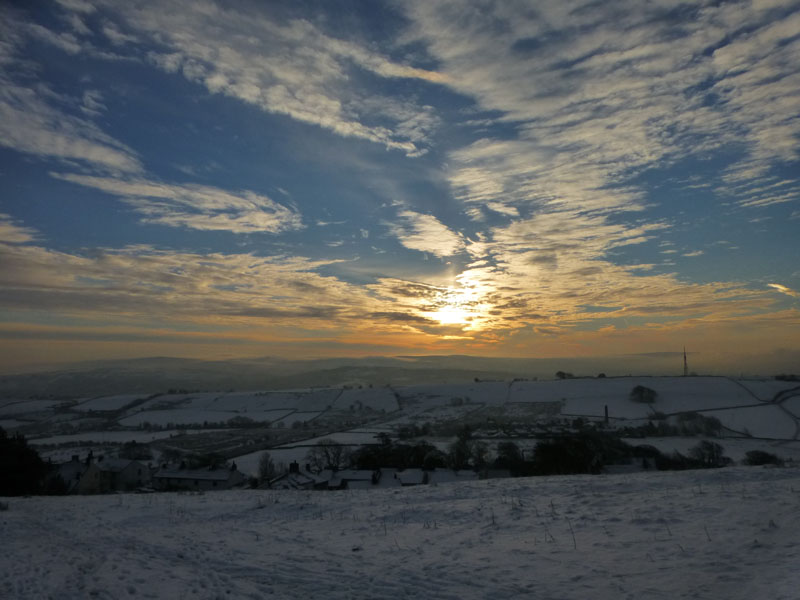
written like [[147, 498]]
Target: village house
[[106, 475], [353, 479], [205, 479], [295, 479], [70, 473]]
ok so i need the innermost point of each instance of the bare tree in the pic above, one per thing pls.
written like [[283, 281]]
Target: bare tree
[[266, 468], [327, 454]]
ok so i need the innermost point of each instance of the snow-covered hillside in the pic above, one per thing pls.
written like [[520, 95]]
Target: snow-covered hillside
[[729, 533]]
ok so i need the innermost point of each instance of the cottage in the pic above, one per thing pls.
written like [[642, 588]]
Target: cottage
[[353, 479], [113, 475], [295, 479], [410, 477], [70, 473], [168, 478]]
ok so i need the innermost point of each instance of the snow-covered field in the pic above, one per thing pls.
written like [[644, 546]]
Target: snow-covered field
[[107, 402], [729, 533]]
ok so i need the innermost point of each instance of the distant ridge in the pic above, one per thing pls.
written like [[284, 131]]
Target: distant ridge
[[159, 374]]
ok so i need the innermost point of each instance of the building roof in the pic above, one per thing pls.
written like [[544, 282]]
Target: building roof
[[411, 476], [114, 465], [203, 474], [293, 481]]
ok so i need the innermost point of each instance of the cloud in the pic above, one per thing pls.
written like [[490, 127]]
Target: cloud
[[196, 206], [784, 290], [117, 37], [30, 124], [426, 233], [80, 6], [36, 120], [15, 234], [93, 103], [63, 41], [140, 282], [288, 67], [595, 90]]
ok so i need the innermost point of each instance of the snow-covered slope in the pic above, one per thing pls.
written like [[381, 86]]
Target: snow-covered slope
[[730, 533]]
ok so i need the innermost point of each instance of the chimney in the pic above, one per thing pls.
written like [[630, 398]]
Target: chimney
[[685, 364]]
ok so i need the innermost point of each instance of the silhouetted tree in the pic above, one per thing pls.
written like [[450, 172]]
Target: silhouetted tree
[[459, 453], [510, 457], [479, 454], [708, 454], [266, 468], [327, 454], [22, 470], [759, 457]]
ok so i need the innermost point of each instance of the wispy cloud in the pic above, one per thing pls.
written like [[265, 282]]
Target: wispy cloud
[[290, 68], [595, 89], [141, 281], [196, 206], [784, 290], [30, 124], [426, 233], [36, 120], [12, 233]]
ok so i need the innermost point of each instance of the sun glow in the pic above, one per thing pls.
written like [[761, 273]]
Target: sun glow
[[451, 315], [461, 306]]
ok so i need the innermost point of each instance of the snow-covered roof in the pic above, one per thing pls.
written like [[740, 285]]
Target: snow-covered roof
[[114, 465], [294, 481], [204, 474], [411, 476]]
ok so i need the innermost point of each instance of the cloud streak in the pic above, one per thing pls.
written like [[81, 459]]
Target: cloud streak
[[36, 120], [198, 207], [425, 233], [287, 67]]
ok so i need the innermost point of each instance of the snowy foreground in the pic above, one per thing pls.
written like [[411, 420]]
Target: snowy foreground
[[728, 533]]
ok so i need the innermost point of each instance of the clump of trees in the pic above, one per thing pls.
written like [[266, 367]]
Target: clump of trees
[[421, 455], [467, 452], [587, 452], [22, 470], [327, 454], [643, 394], [692, 423], [267, 469], [683, 424], [760, 457], [708, 454]]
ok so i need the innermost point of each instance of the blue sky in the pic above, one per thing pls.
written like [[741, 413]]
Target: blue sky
[[328, 179]]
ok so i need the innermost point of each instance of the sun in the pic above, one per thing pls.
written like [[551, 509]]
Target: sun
[[453, 306], [451, 315], [464, 305]]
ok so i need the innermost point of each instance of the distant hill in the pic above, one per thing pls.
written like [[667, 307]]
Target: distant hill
[[162, 374], [151, 375]]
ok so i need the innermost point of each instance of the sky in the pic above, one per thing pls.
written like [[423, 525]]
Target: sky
[[307, 179]]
